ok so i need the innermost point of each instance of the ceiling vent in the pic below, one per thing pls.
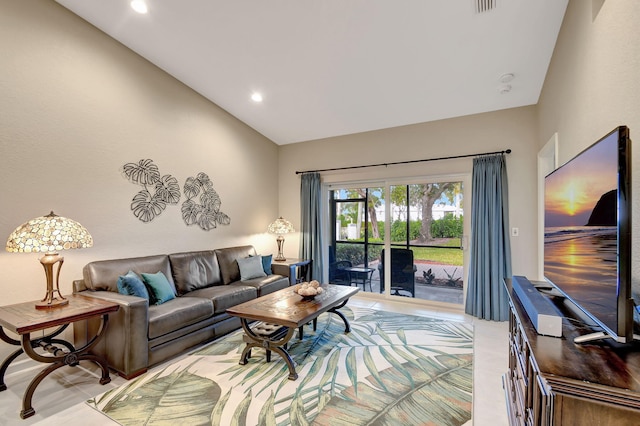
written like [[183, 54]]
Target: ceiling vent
[[484, 5]]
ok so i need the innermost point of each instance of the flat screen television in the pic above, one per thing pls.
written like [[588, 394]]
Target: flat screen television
[[587, 236]]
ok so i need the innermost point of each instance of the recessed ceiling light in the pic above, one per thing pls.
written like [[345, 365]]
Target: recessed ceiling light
[[506, 78], [139, 6], [256, 97], [504, 89]]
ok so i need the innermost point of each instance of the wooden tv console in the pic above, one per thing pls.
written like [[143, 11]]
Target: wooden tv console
[[554, 381]]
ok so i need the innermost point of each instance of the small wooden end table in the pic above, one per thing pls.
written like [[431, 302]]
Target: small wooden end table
[[281, 313], [24, 319]]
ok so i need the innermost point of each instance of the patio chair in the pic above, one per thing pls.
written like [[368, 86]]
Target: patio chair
[[402, 272], [337, 269], [338, 273]]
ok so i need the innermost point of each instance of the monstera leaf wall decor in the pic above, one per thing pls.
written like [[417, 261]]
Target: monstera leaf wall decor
[[202, 206], [146, 205]]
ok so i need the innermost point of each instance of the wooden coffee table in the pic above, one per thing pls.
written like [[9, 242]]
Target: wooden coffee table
[[24, 319], [279, 314]]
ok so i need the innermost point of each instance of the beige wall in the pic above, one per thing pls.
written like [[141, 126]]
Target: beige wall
[[593, 84], [495, 131], [75, 107]]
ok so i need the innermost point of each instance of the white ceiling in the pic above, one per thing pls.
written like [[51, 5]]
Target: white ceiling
[[334, 67]]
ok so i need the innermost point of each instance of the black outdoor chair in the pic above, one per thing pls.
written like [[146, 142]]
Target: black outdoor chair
[[403, 272], [338, 274]]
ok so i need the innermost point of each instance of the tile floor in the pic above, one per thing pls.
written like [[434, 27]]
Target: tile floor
[[59, 399]]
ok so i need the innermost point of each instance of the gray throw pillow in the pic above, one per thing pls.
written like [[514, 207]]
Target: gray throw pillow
[[251, 267]]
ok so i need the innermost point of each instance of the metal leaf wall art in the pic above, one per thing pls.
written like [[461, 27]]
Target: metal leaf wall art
[[146, 205], [202, 206]]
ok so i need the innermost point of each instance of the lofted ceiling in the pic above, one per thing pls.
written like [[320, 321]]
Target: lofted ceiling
[[334, 67]]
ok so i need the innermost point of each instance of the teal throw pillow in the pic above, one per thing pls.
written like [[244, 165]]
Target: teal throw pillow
[[266, 264], [159, 287], [251, 267], [131, 284]]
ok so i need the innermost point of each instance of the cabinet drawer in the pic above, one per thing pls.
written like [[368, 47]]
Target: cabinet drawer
[[519, 394], [542, 402], [523, 366], [515, 411]]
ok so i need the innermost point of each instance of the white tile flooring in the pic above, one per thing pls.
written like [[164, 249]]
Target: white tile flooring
[[59, 399]]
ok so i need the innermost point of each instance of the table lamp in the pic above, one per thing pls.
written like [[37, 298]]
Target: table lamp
[[49, 234], [280, 227]]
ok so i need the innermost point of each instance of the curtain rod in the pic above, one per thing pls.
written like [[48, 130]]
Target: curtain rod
[[506, 151]]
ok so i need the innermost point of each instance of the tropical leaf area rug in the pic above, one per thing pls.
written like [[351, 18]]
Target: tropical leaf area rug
[[391, 369]]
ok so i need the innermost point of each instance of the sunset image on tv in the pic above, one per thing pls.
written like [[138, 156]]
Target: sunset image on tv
[[572, 192], [580, 253]]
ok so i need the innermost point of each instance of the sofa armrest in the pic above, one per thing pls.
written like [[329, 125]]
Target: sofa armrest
[[125, 343], [78, 286]]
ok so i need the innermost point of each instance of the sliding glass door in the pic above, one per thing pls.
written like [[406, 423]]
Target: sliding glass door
[[424, 239]]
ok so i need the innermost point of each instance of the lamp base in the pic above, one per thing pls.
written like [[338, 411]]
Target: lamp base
[[280, 257], [55, 303], [50, 299]]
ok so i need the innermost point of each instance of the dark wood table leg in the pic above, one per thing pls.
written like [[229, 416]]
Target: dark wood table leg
[[301, 328], [8, 360], [276, 343], [347, 326], [58, 358], [5, 365]]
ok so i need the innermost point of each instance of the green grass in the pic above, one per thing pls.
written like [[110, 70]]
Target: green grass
[[450, 242], [440, 255]]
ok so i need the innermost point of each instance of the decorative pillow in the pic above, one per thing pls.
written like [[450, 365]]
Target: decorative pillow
[[131, 284], [266, 264], [159, 287], [251, 267]]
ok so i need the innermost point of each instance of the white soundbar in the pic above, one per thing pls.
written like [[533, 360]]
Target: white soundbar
[[544, 316]]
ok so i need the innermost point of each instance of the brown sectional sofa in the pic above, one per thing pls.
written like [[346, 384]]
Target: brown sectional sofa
[[139, 335]]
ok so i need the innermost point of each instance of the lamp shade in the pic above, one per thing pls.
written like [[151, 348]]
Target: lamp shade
[[280, 226], [48, 234]]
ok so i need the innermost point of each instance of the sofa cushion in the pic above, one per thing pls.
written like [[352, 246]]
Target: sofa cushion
[[228, 261], [132, 285], [104, 274], [176, 314], [268, 284], [251, 267], [159, 288], [225, 296], [194, 270]]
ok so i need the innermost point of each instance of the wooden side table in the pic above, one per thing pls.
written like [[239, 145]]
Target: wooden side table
[[289, 268], [24, 319]]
